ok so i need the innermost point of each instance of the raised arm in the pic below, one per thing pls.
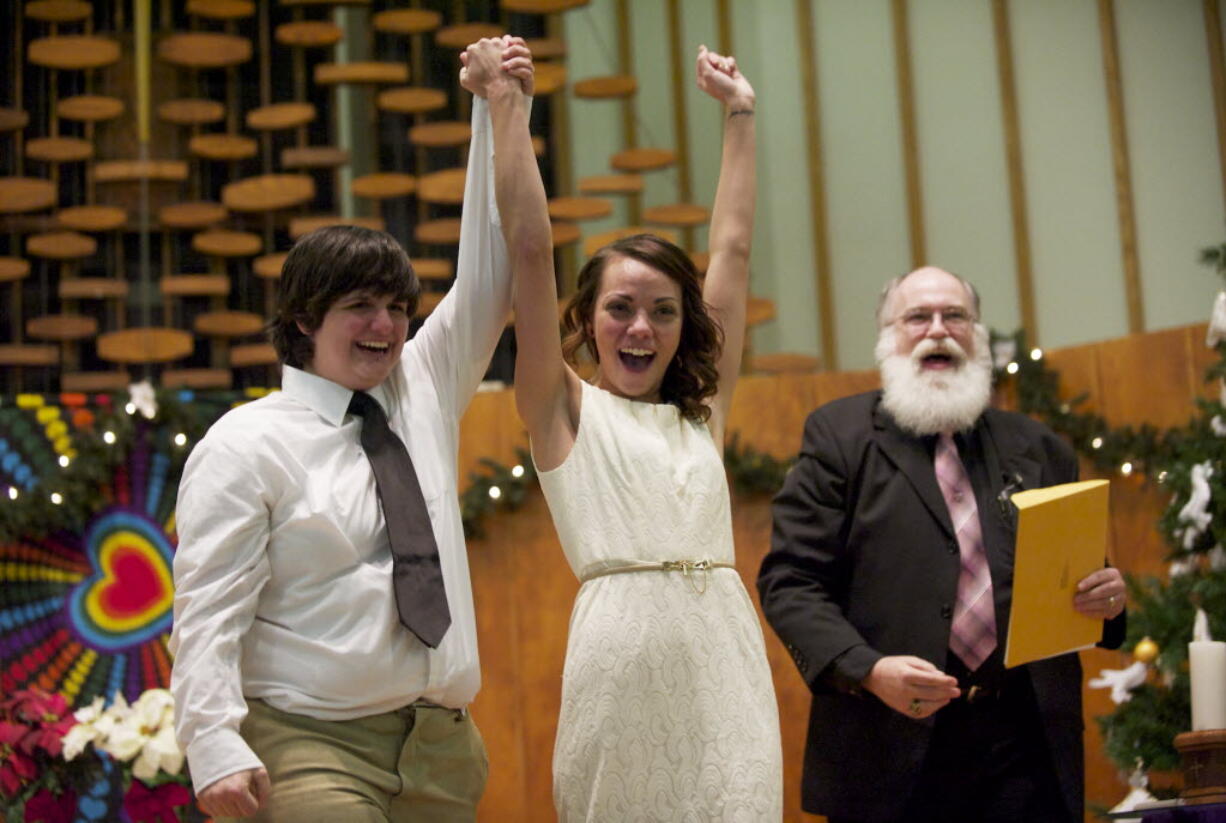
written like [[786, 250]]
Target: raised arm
[[540, 372], [727, 282]]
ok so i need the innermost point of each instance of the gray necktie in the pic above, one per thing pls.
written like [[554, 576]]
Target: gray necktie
[[417, 577]]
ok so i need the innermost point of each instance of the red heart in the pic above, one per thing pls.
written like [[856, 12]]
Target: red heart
[[131, 585]]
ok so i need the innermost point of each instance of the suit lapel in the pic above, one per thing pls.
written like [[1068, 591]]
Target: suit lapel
[[910, 455]]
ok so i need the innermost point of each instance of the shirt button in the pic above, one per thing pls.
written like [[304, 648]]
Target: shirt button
[[952, 547], [947, 611]]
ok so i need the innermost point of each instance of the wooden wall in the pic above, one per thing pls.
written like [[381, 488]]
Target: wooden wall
[[524, 588]]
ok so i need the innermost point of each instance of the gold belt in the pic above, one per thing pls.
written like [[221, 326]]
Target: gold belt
[[603, 568]]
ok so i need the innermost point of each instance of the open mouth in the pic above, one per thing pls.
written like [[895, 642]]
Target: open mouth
[[374, 347], [636, 360], [938, 360]]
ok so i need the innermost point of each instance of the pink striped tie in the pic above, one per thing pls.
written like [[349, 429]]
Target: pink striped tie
[[973, 634]]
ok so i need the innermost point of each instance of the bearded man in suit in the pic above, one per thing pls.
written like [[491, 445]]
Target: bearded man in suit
[[890, 579]]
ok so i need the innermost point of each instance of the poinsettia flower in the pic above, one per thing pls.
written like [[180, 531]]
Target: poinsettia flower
[[16, 769], [47, 736], [46, 807]]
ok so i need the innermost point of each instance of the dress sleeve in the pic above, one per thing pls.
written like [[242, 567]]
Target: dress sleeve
[[220, 566], [458, 338]]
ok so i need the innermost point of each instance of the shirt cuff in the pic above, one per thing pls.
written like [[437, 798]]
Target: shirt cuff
[[216, 755]]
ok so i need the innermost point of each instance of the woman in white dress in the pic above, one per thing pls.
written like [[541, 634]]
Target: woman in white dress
[[668, 709]]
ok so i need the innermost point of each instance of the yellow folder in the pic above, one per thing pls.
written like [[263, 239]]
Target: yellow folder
[[1061, 538]]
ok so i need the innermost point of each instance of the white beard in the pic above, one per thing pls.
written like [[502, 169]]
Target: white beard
[[929, 402]]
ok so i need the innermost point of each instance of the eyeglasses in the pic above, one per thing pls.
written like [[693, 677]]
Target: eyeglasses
[[954, 318]]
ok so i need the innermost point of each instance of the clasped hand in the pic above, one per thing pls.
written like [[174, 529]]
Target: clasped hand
[[491, 60]]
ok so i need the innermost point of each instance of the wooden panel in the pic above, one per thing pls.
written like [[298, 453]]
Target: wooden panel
[[144, 345], [253, 354], [90, 381], [579, 208], [644, 159], [382, 185], [221, 9], [611, 184], [542, 6], [606, 88], [678, 214], [195, 285], [269, 265], [1139, 384], [198, 378], [13, 119], [314, 157]]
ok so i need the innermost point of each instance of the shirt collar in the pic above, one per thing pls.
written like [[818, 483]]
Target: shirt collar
[[327, 399]]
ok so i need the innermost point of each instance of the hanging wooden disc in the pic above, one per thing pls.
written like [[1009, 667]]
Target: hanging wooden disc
[[541, 6], [59, 149], [197, 378], [268, 192], [93, 288], [194, 285], [190, 111], [228, 323], [785, 363], [221, 9], [29, 354], [579, 208], [13, 120], [308, 33], [606, 88], [196, 214], [253, 354], [61, 327], [75, 51], [564, 233], [460, 35], [21, 194], [280, 116], [223, 146], [596, 242], [433, 268], [268, 266], [95, 381], [549, 78], [92, 218], [313, 157], [546, 48], [441, 134], [611, 184], [144, 345], [226, 243], [61, 245], [758, 310], [13, 268], [643, 159], [444, 231], [58, 11], [89, 108], [677, 214], [446, 186], [370, 72], [384, 184], [123, 171], [204, 50], [296, 3], [305, 225], [407, 21], [411, 100]]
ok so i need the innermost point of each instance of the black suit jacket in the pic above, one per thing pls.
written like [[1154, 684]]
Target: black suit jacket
[[864, 563]]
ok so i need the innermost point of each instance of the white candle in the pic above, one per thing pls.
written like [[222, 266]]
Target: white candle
[[1207, 663]]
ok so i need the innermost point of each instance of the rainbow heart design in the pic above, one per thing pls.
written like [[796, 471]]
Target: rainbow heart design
[[129, 597]]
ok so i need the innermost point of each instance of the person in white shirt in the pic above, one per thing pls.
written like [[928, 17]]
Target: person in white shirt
[[299, 694]]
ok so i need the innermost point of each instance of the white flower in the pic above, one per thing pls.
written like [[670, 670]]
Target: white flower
[[161, 752], [125, 741], [156, 709], [78, 737], [141, 395], [1217, 321]]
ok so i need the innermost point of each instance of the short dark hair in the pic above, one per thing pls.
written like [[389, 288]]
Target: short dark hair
[[325, 265], [692, 376]]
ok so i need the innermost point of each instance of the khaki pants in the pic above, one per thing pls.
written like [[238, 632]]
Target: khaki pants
[[420, 763]]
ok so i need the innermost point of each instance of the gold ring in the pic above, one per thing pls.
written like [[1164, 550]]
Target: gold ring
[[914, 708], [1111, 601]]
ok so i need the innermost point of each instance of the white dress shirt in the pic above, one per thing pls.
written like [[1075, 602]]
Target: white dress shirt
[[283, 570]]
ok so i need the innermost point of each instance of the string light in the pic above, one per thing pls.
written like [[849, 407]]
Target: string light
[[495, 492], [1036, 353], [108, 437], [64, 461], [13, 493], [1126, 469], [180, 439], [1096, 443], [1012, 367], [57, 498], [517, 471], [1162, 476], [130, 408]]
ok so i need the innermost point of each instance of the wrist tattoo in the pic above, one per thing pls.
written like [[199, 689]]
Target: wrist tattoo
[[735, 112]]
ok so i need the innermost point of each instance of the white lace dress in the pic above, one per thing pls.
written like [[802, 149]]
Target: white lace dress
[[668, 708]]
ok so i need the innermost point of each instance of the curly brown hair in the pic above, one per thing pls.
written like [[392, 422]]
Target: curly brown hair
[[692, 376], [325, 265]]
